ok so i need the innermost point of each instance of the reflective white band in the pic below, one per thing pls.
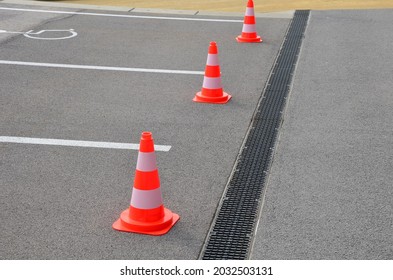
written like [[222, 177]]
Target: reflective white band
[[146, 162], [212, 59], [212, 83], [146, 199], [250, 12], [249, 28]]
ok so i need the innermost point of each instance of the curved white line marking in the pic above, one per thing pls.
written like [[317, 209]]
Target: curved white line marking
[[30, 34]]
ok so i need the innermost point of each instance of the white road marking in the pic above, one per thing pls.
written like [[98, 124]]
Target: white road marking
[[11, 32], [121, 16], [36, 35], [105, 68], [77, 143]]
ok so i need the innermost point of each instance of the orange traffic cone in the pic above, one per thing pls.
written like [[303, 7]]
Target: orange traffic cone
[[212, 91], [249, 32], [146, 213]]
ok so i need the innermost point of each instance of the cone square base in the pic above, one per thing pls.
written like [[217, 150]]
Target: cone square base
[[241, 39], [160, 227], [216, 100]]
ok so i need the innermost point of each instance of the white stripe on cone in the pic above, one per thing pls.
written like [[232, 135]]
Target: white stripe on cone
[[142, 199], [249, 28], [249, 11], [212, 83], [146, 162], [212, 59]]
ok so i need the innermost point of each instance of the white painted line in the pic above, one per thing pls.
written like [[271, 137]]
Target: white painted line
[[11, 32], [105, 68], [33, 35], [76, 143], [120, 16]]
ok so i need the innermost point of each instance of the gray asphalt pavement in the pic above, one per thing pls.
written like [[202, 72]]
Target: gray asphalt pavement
[[60, 202], [330, 192]]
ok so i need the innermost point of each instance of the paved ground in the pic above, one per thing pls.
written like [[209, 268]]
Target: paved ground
[[60, 202], [329, 194]]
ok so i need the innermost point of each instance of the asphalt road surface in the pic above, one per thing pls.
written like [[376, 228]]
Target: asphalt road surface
[[107, 76], [60, 202]]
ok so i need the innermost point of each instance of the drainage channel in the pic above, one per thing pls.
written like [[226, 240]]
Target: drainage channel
[[233, 227]]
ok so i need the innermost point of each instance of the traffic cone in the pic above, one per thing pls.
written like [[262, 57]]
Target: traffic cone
[[212, 91], [146, 213], [249, 32]]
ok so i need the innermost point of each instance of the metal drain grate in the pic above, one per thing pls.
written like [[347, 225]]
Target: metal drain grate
[[232, 231]]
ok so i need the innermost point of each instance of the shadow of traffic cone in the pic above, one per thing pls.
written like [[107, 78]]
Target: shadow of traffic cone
[[212, 91], [249, 32], [146, 213]]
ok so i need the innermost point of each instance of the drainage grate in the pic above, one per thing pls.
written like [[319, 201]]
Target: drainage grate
[[232, 231]]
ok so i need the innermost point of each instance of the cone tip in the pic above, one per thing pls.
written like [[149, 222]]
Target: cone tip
[[146, 135], [146, 143], [213, 49]]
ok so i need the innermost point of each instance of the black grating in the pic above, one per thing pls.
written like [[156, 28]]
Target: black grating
[[232, 231]]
